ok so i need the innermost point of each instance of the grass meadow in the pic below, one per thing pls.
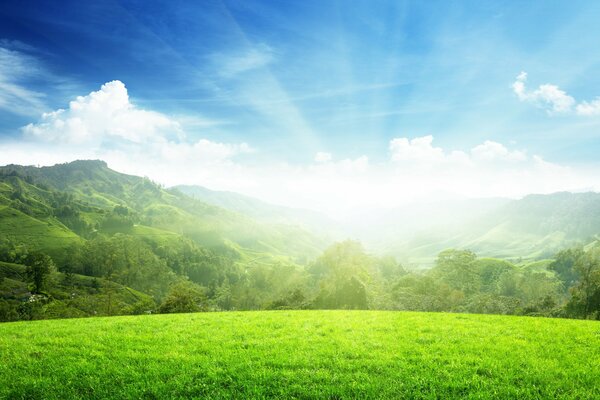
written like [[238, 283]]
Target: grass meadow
[[301, 354]]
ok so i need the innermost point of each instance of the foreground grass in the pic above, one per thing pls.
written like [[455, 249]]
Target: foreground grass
[[302, 354]]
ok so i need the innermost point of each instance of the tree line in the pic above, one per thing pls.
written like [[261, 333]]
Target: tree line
[[126, 274]]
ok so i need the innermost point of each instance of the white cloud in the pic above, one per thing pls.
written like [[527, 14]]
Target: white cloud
[[494, 151], [418, 149], [589, 108], [103, 115], [107, 118], [554, 99], [547, 96], [106, 125]]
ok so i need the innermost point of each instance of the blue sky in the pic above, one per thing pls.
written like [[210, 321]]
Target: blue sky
[[278, 82]]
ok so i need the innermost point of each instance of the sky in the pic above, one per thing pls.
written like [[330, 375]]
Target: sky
[[328, 105]]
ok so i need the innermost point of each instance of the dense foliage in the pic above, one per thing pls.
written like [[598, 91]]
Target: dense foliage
[[186, 278], [110, 244]]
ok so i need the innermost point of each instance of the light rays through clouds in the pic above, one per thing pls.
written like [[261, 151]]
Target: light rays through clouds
[[105, 124], [255, 86], [312, 104]]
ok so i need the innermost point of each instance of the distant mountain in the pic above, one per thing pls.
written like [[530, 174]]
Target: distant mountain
[[99, 191], [262, 211], [535, 226], [52, 207]]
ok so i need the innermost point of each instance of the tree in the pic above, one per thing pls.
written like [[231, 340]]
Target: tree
[[342, 273], [184, 297], [563, 265], [457, 268], [39, 267], [585, 296]]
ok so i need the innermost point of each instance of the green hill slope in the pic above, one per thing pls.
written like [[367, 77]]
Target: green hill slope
[[303, 354], [262, 211], [46, 234], [71, 295], [93, 183], [132, 233], [534, 227]]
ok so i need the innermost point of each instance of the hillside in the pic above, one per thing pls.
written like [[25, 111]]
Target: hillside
[[72, 295], [125, 232], [301, 354], [96, 185], [82, 223], [534, 227], [313, 221]]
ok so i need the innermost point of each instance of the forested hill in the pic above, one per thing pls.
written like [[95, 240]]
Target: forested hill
[[80, 239], [103, 199]]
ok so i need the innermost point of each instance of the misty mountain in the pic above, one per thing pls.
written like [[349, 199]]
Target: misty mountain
[[530, 228], [265, 212], [96, 192], [533, 227]]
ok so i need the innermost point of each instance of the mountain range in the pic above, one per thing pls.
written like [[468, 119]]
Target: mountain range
[[533, 227], [36, 206]]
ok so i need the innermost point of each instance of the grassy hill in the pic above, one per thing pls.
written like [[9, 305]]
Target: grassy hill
[[301, 354], [101, 189], [46, 234]]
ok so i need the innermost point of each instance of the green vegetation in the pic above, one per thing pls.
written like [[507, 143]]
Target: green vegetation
[[80, 239], [301, 354]]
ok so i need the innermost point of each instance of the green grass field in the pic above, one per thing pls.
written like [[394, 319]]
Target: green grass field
[[301, 354]]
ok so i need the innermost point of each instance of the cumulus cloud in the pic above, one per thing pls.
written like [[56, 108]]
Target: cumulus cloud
[[489, 169], [547, 96], [494, 151], [554, 99], [106, 125], [101, 115], [589, 108], [419, 149]]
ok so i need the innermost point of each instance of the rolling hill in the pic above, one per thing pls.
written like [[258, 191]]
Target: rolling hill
[[100, 189], [534, 227], [301, 354]]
